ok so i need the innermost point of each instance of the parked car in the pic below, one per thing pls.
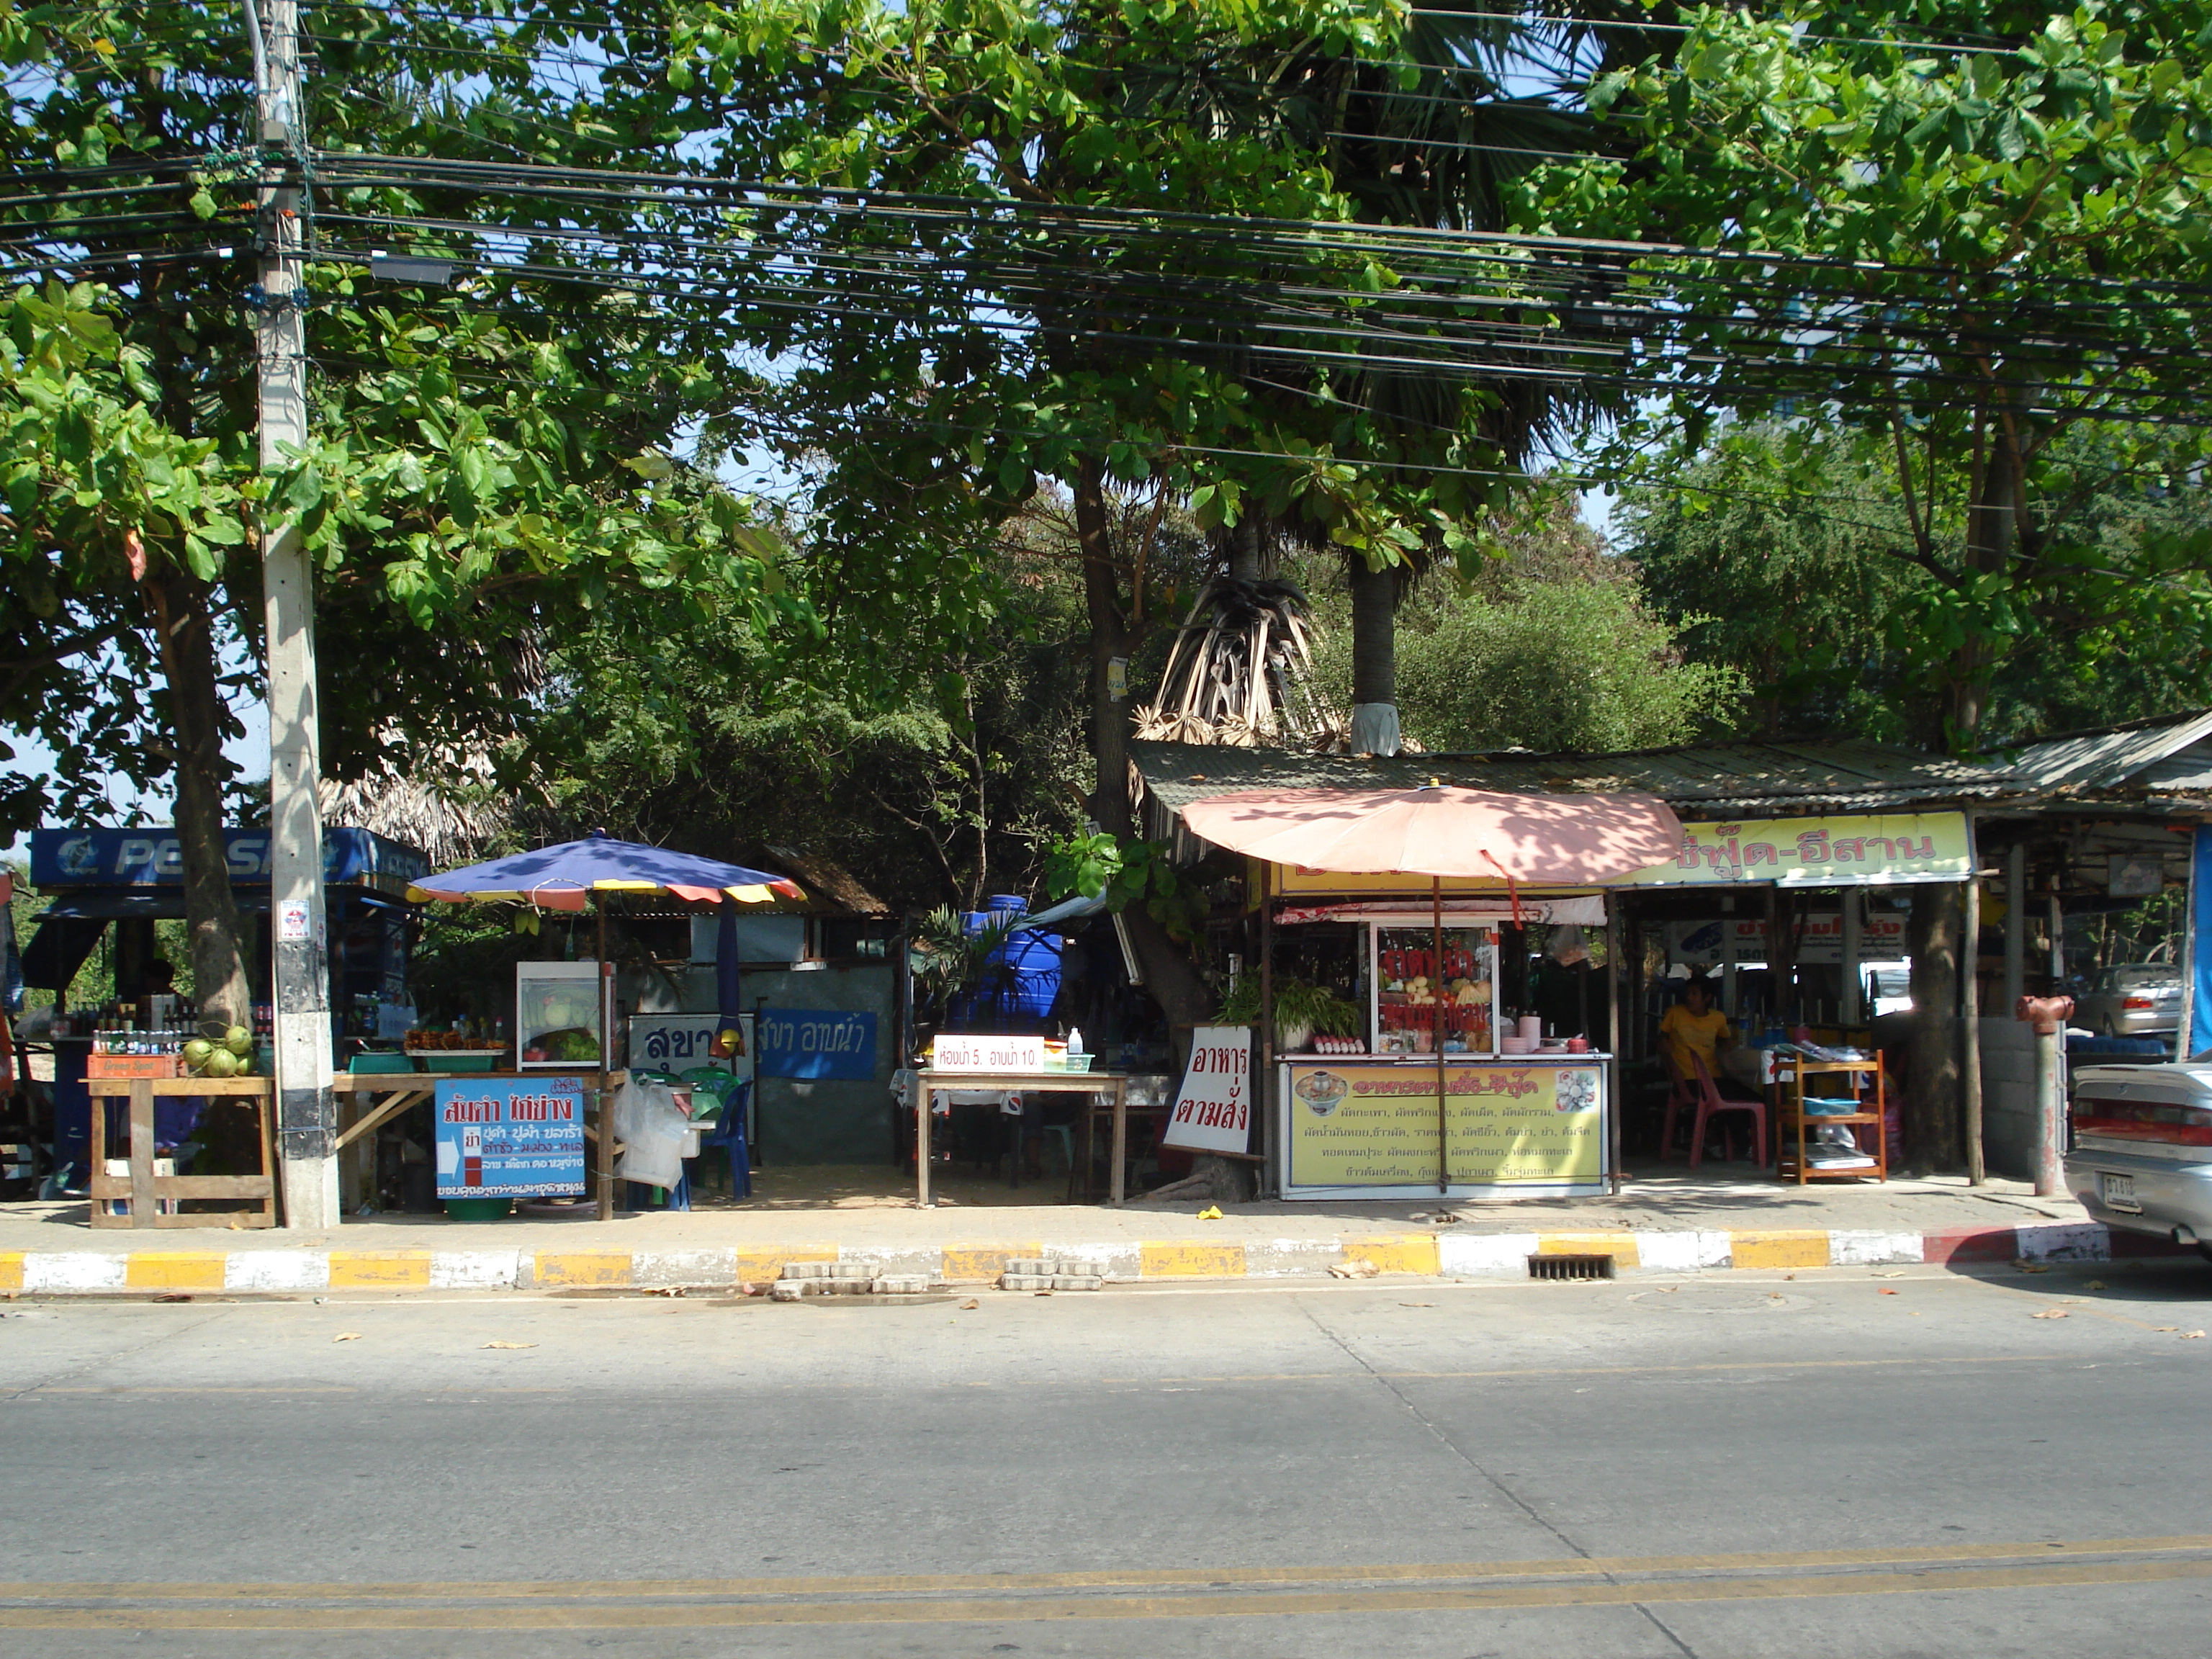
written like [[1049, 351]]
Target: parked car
[[2133, 998], [2143, 1150]]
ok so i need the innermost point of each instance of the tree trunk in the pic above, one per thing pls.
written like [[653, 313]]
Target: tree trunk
[[1935, 1100], [1992, 527], [1244, 549], [1374, 658], [186, 632], [1170, 977]]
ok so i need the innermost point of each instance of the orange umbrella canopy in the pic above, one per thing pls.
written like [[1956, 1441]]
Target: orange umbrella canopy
[[1442, 830]]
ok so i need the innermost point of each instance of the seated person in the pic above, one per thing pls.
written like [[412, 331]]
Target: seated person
[[1694, 1030]]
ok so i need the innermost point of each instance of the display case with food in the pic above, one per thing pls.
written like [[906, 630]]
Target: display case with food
[[1425, 997], [559, 1017]]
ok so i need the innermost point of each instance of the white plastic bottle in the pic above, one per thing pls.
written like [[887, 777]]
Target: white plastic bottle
[[1075, 1039]]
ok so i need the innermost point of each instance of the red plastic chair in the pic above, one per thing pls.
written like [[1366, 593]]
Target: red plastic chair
[[1701, 1092]]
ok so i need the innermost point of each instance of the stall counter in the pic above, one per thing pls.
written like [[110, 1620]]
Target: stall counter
[[1527, 1125]]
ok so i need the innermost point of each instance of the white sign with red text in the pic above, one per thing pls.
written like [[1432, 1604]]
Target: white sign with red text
[[988, 1054], [1213, 1108]]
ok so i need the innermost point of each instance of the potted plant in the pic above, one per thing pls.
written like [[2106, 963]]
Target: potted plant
[[1301, 1011]]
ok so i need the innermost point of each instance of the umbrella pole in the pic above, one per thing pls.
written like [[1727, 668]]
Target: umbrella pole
[[1437, 923], [606, 1109]]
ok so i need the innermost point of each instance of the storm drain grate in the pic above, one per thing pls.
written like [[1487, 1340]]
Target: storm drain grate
[[1571, 1266]]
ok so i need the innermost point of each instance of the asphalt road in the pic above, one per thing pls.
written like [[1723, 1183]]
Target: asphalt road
[[1840, 1462]]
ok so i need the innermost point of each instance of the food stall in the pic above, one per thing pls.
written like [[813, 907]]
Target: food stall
[[564, 1017], [1436, 1093]]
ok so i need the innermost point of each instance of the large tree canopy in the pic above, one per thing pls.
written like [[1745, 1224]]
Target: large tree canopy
[[1963, 235]]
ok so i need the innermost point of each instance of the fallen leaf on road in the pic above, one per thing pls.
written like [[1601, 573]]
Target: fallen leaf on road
[[664, 1290], [971, 1303], [2166, 1327], [1353, 1270], [1040, 1292], [1417, 1305], [510, 1345], [2030, 1267], [347, 1336], [173, 1295], [2050, 1313], [1899, 1273], [2095, 1285], [1890, 1293], [2190, 1336]]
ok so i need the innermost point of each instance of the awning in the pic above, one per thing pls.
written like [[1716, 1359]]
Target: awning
[[1441, 831]]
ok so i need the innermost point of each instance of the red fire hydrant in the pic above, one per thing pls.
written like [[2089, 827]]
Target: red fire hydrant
[[2047, 1017]]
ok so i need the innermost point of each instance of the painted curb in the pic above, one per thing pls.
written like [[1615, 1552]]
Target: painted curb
[[1428, 1255]]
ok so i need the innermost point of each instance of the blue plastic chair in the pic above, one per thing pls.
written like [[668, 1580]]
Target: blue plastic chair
[[729, 1134]]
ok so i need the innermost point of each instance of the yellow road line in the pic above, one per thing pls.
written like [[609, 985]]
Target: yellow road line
[[917, 1583], [2049, 1574]]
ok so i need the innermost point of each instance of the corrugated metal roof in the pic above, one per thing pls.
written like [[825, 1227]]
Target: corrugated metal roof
[[1751, 779], [2108, 758]]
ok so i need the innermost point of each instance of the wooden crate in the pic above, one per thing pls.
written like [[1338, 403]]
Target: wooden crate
[[109, 1065], [150, 1192]]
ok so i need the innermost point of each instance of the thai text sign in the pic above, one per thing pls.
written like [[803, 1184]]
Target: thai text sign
[[816, 1042], [677, 1042], [1213, 1109], [968, 1053], [509, 1137], [1840, 852], [1376, 1126], [1704, 944]]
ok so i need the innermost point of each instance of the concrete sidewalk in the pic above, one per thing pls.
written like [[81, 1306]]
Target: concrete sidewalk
[[1670, 1223]]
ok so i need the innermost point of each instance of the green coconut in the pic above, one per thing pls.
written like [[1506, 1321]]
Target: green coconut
[[238, 1040], [197, 1051], [221, 1063]]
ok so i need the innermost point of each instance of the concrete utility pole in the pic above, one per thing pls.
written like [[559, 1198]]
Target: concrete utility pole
[[306, 1110]]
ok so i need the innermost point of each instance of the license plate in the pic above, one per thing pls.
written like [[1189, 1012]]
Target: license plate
[[2119, 1193]]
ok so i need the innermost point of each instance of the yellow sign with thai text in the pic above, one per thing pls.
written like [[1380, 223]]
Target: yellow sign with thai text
[[1375, 1125], [1839, 852]]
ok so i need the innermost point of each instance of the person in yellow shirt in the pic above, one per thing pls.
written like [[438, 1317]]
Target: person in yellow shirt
[[1694, 1030]]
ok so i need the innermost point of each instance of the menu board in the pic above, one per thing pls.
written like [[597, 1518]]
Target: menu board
[[1375, 1125]]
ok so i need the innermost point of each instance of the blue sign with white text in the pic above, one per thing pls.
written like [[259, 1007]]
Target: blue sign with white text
[[510, 1137], [153, 858], [817, 1042]]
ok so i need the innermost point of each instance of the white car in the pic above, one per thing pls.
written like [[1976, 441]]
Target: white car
[[2143, 1149], [2133, 998]]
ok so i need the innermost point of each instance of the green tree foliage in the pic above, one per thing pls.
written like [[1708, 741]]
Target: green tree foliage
[[1550, 647], [1793, 563], [1961, 235], [477, 462]]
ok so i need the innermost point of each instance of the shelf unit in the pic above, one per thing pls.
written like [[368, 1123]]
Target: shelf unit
[[1793, 1123]]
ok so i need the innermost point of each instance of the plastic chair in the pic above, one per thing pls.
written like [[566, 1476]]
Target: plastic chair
[[1700, 1092], [729, 1133]]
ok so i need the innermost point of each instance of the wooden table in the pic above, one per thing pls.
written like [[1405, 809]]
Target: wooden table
[[145, 1189], [929, 1085]]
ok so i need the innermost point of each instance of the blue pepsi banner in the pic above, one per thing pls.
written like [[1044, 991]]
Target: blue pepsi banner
[[509, 1137], [815, 1042], [154, 858]]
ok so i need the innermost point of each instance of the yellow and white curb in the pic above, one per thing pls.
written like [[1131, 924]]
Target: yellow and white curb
[[1431, 1255]]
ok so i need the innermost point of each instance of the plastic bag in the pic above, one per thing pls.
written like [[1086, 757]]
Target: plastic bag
[[649, 1127]]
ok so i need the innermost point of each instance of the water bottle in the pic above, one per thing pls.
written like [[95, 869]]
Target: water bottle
[[1074, 1039]]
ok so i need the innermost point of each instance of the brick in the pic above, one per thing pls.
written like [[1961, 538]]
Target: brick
[[982, 1263]]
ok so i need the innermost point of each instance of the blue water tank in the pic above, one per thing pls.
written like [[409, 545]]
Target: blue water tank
[[1023, 981]]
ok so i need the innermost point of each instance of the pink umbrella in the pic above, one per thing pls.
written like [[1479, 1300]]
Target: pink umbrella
[[1442, 830], [1439, 831]]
